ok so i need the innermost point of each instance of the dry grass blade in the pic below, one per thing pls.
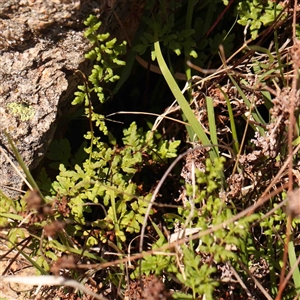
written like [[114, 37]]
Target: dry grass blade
[[16, 169], [295, 54]]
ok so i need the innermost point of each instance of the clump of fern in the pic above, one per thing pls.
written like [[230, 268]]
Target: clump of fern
[[106, 178]]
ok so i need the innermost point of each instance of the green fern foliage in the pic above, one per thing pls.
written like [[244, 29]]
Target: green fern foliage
[[200, 259], [107, 177], [257, 13], [9, 210], [105, 55], [178, 40]]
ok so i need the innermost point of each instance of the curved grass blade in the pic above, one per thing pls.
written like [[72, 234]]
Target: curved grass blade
[[187, 111]]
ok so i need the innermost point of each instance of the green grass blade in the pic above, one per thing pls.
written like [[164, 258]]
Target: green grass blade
[[11, 216], [266, 74], [60, 247], [263, 50], [254, 112], [36, 265], [236, 145], [293, 261], [268, 99], [212, 122], [187, 111], [158, 231]]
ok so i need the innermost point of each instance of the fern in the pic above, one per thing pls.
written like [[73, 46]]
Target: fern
[[107, 176], [257, 13], [178, 40], [105, 57], [89, 182]]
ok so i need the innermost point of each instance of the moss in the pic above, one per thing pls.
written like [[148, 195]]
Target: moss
[[21, 110]]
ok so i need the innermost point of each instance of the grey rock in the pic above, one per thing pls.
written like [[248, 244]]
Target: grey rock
[[41, 47]]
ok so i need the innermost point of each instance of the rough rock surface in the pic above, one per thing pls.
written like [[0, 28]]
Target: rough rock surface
[[41, 45]]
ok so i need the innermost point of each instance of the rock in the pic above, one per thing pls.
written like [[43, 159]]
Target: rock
[[41, 46]]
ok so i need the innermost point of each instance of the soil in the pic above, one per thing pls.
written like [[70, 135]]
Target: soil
[[13, 264]]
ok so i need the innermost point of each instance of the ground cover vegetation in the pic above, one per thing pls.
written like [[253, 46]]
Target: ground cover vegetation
[[157, 198]]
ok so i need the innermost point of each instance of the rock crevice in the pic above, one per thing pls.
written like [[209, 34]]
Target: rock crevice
[[41, 46]]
